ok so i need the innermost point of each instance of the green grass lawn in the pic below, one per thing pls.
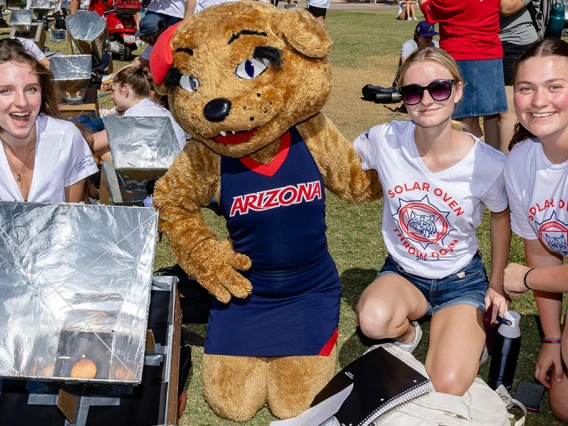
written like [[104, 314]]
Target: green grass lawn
[[366, 48]]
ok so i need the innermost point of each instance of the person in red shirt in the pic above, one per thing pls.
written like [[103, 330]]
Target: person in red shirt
[[469, 32]]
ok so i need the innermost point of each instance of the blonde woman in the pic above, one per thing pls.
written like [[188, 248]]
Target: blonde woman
[[436, 180]]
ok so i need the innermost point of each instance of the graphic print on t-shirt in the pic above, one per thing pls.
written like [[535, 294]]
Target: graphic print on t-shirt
[[422, 222], [554, 234]]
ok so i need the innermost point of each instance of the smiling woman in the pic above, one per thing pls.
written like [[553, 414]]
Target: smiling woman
[[536, 177], [42, 158], [429, 226]]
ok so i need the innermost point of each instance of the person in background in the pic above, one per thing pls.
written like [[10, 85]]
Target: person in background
[[33, 50], [132, 89], [423, 37], [406, 10], [517, 34], [318, 8], [536, 178], [170, 11], [436, 180], [469, 31], [42, 158], [150, 28]]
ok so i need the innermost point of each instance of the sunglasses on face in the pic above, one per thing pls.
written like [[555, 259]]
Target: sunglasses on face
[[439, 90]]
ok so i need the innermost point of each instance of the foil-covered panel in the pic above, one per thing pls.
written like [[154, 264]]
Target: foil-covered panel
[[22, 20], [72, 73], [142, 148], [88, 33], [74, 291]]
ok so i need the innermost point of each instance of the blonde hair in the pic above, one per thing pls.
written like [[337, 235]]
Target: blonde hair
[[440, 57]]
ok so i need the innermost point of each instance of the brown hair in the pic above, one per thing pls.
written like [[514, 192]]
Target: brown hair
[[138, 79], [12, 50], [150, 39], [542, 49]]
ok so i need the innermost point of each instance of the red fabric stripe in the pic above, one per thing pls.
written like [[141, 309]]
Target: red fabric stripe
[[328, 347], [272, 167]]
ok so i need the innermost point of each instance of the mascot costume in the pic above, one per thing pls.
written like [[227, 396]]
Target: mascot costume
[[248, 81]]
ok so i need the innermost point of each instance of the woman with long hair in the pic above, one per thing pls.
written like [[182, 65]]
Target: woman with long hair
[[42, 158], [536, 177], [436, 180]]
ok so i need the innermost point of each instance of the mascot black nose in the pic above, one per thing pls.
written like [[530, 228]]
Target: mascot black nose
[[217, 109]]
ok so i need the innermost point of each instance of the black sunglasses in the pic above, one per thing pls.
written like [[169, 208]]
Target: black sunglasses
[[439, 90]]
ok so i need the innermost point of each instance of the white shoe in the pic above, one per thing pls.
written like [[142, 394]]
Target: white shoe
[[409, 19], [410, 346], [415, 19]]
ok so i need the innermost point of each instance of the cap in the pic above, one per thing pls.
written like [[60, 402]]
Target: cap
[[149, 24], [422, 29]]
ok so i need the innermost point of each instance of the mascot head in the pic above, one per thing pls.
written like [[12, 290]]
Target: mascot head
[[240, 74]]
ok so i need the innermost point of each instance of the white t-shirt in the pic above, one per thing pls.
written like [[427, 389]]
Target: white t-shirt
[[429, 219], [146, 53], [148, 108], [174, 8], [62, 158], [411, 45], [538, 196], [204, 4], [31, 47]]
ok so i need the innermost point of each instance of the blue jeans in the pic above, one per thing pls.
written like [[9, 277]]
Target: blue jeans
[[466, 286], [169, 20]]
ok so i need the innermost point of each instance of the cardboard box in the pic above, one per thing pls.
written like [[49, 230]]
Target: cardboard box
[[89, 106], [112, 191], [37, 34], [152, 403]]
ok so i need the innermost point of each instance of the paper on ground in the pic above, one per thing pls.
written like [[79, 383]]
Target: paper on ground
[[320, 413]]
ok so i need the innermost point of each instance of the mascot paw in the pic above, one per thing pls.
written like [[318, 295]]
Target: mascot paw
[[293, 382], [234, 386], [216, 266]]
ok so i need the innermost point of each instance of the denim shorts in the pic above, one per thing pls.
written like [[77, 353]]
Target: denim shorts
[[464, 287], [484, 89]]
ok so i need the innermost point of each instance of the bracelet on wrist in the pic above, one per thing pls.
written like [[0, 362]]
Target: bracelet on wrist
[[525, 279], [552, 340]]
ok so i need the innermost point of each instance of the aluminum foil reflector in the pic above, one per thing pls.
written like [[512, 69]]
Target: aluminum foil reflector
[[41, 7], [74, 291], [22, 20], [88, 33], [72, 74], [142, 148]]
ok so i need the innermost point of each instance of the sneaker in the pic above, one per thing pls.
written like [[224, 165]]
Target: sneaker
[[415, 19], [409, 19], [410, 346]]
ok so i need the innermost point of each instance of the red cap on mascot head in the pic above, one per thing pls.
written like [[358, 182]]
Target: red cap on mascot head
[[162, 57]]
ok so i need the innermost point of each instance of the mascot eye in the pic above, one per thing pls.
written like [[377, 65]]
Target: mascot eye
[[250, 69], [188, 83]]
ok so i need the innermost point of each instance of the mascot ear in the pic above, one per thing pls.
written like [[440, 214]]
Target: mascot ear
[[299, 29], [162, 57]]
